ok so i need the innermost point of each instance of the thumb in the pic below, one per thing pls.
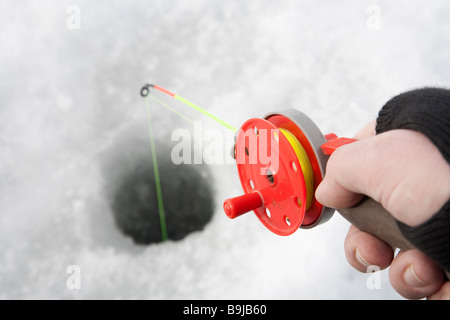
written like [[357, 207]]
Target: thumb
[[351, 173], [330, 192]]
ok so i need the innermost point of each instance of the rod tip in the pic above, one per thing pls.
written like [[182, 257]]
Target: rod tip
[[145, 90]]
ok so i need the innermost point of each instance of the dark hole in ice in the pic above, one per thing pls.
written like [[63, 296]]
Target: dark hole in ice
[[187, 196], [187, 190]]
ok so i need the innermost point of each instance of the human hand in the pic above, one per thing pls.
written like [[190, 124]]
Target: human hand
[[405, 172]]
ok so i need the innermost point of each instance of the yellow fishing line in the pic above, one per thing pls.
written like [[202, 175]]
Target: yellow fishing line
[[305, 165]]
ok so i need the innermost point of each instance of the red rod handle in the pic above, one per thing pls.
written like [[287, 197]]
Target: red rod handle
[[333, 142]]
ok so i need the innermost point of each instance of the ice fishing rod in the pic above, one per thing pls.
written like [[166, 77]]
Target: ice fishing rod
[[145, 91], [282, 197]]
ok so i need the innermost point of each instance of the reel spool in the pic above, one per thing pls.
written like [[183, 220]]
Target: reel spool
[[281, 160]]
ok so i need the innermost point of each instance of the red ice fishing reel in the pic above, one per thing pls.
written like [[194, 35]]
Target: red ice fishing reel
[[281, 160]]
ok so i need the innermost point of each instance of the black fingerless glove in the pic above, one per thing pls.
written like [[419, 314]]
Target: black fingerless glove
[[427, 111]]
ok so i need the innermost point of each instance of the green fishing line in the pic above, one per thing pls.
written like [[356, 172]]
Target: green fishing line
[[162, 217], [173, 110], [206, 113]]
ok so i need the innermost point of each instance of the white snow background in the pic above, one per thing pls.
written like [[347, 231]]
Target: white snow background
[[67, 94]]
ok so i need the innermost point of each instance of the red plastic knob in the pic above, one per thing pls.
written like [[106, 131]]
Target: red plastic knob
[[237, 206]]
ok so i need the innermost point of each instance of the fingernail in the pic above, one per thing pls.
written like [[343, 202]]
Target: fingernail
[[361, 259], [412, 279]]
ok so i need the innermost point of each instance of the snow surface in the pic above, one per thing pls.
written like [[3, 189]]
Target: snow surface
[[68, 94]]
